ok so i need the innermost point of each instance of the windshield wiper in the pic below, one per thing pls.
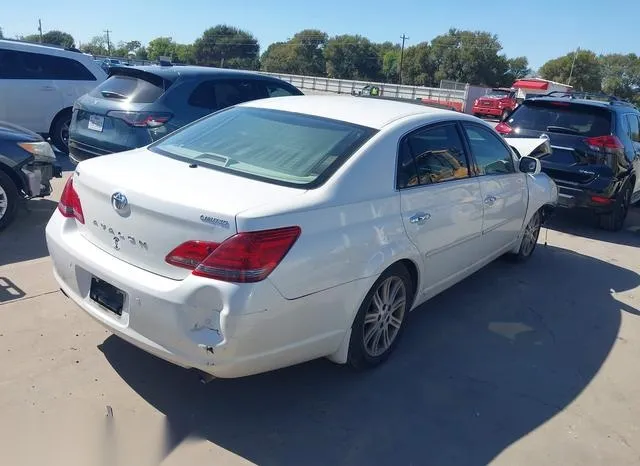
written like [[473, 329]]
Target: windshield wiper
[[113, 95], [562, 129]]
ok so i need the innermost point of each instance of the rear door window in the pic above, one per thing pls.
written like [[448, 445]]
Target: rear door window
[[276, 90], [218, 94], [129, 88], [27, 65], [634, 127], [563, 118]]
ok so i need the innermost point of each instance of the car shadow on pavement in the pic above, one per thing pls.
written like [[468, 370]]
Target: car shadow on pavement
[[9, 291], [479, 367], [584, 225], [24, 238]]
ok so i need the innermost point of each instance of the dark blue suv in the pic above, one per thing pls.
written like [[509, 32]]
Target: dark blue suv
[[137, 105], [596, 150]]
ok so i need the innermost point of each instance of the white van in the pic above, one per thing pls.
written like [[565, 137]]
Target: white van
[[39, 84]]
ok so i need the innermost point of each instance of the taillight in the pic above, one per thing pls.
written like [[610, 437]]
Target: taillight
[[604, 142], [190, 254], [503, 128], [141, 119], [69, 204], [243, 258], [604, 149]]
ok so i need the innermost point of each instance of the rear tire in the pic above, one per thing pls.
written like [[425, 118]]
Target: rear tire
[[8, 200], [381, 318], [60, 131], [614, 220]]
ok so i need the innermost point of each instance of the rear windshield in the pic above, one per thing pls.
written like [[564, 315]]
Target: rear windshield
[[281, 147], [562, 117], [127, 88]]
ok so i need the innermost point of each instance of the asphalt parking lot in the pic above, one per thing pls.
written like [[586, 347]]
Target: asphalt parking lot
[[518, 365]]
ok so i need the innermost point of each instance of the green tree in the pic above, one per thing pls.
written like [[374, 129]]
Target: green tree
[[58, 38], [352, 57], [302, 54], [30, 38], [586, 75], [96, 46], [418, 67], [183, 53], [469, 56], [279, 58], [228, 47], [518, 68], [621, 75], [161, 47], [141, 54], [390, 58], [132, 45]]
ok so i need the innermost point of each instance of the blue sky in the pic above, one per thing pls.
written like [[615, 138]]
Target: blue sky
[[538, 29]]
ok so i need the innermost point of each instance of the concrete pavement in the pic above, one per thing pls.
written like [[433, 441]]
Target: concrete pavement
[[520, 364]]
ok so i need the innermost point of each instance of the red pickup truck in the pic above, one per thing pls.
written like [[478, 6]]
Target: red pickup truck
[[498, 103]]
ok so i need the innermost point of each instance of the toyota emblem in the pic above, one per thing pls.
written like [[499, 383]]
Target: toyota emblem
[[119, 201]]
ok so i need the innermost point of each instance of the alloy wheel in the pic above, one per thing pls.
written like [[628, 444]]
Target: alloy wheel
[[531, 233], [4, 202], [384, 317]]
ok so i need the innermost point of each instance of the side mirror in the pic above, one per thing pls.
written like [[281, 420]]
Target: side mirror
[[530, 165]]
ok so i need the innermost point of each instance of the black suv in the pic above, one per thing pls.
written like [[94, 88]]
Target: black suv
[[596, 150], [138, 105]]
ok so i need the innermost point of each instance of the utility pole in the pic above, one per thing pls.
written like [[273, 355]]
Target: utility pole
[[572, 65], [403, 37], [40, 29], [108, 42]]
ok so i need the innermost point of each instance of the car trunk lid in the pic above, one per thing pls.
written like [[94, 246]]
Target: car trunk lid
[[138, 206]]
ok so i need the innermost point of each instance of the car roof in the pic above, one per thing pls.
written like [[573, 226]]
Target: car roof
[[171, 73], [373, 113], [613, 106]]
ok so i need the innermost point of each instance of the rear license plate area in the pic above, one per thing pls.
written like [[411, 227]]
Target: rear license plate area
[[107, 295]]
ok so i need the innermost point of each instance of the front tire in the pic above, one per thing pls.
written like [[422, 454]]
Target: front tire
[[60, 131], [8, 200], [529, 238], [381, 318]]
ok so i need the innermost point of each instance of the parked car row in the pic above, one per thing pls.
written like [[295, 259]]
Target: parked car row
[[234, 233], [66, 96]]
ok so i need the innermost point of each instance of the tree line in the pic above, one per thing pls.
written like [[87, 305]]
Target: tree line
[[474, 57]]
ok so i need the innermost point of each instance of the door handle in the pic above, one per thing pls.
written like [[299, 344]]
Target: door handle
[[47, 88], [419, 218], [490, 200]]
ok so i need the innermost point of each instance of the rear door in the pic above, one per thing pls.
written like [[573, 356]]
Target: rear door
[[441, 202], [567, 125], [504, 189]]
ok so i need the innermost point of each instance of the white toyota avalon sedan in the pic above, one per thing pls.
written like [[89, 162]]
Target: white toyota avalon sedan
[[287, 229]]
